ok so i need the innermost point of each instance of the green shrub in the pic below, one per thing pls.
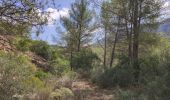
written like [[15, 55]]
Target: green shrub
[[159, 88], [118, 76], [150, 69], [24, 45], [33, 84], [84, 59], [42, 49], [15, 70], [153, 79], [62, 94], [19, 78], [41, 75], [130, 95], [123, 75], [59, 66]]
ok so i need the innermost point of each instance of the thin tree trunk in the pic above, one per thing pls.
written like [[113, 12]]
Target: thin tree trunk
[[105, 48], [129, 38], [71, 57], [113, 50], [79, 39], [114, 45], [130, 45], [80, 29], [136, 30], [79, 43], [71, 53]]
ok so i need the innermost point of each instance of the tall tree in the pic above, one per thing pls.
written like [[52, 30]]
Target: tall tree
[[78, 26], [134, 15], [112, 26], [142, 11], [105, 25]]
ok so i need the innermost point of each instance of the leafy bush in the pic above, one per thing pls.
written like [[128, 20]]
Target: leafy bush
[[42, 49], [41, 75], [19, 78], [119, 76], [130, 95], [159, 88], [59, 66], [33, 84], [84, 59], [149, 69], [23, 44], [152, 67], [62, 94], [154, 77], [15, 71]]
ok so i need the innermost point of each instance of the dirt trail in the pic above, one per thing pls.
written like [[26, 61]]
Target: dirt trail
[[85, 90]]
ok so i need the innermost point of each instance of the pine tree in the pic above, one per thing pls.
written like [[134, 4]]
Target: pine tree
[[78, 26]]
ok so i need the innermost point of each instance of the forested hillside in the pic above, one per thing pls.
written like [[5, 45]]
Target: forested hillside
[[109, 50]]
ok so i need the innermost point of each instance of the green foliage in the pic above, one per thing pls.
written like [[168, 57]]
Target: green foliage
[[62, 94], [159, 88], [59, 66], [33, 84], [154, 76], [24, 45], [41, 75], [84, 59], [20, 78], [15, 70], [150, 68], [17, 29], [119, 76], [79, 25], [42, 49], [129, 95], [21, 15]]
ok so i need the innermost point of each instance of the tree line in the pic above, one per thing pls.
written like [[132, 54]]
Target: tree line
[[121, 20]]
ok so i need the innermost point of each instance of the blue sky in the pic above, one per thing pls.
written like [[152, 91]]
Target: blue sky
[[49, 33], [62, 7]]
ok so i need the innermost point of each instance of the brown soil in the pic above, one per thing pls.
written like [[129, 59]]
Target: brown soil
[[85, 90]]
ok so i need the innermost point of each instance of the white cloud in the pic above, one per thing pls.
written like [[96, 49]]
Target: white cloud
[[165, 11], [55, 14], [166, 4]]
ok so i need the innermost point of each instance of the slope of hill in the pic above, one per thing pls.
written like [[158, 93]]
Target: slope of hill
[[7, 46]]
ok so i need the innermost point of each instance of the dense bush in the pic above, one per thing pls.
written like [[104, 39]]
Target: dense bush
[[159, 88], [42, 49], [17, 76], [152, 68], [59, 66], [130, 95], [41, 74], [119, 76], [85, 59], [154, 77], [23, 44]]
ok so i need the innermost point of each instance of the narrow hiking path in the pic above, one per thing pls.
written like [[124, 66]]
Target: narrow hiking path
[[85, 90]]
